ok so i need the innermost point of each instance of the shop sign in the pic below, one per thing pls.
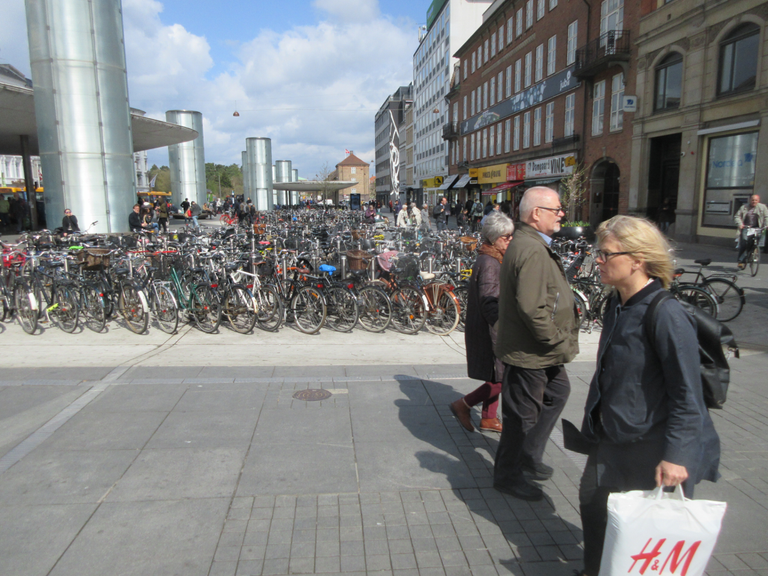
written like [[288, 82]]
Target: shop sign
[[535, 95], [515, 172], [492, 174], [732, 161], [552, 166], [473, 172], [630, 104], [435, 182]]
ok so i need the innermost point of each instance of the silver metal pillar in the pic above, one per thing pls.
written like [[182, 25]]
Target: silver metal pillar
[[294, 193], [259, 151], [247, 193], [77, 56], [283, 173], [187, 160]]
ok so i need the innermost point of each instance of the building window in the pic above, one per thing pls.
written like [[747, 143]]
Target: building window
[[527, 130], [528, 14], [498, 138], [528, 68], [518, 76], [598, 107], [485, 143], [493, 90], [537, 127], [519, 25], [552, 4], [570, 106], [738, 59], [510, 29], [472, 148], [465, 107], [516, 139], [509, 81], [611, 18], [669, 82], [617, 102], [464, 150], [501, 36], [472, 95], [539, 62], [507, 134], [485, 96], [551, 54], [541, 9], [485, 52], [549, 126], [465, 69], [492, 136], [474, 60], [500, 86], [493, 44], [354, 170], [573, 32]]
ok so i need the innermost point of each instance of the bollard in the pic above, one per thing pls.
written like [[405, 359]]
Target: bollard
[[284, 264], [343, 266], [372, 269], [431, 264], [458, 265]]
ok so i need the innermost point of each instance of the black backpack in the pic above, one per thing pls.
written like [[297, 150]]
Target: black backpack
[[713, 337]]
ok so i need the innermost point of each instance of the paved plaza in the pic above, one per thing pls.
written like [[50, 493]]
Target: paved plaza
[[136, 455]]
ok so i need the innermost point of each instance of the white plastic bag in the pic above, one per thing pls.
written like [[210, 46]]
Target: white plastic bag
[[656, 533]]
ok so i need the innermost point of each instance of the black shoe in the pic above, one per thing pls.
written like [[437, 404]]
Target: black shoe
[[521, 489], [538, 471]]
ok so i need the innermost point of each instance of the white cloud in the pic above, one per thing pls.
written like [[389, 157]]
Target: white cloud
[[350, 10]]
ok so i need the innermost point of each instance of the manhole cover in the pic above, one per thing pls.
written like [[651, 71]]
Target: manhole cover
[[312, 395]]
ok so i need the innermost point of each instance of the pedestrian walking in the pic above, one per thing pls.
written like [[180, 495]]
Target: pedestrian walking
[[440, 213], [195, 211], [537, 336]]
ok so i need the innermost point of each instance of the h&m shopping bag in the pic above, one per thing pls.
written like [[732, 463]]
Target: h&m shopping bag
[[657, 533]]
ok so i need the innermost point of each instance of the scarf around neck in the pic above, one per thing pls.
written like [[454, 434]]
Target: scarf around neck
[[491, 250]]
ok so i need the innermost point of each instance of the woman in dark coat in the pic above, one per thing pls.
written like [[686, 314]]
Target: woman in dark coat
[[479, 332], [645, 417]]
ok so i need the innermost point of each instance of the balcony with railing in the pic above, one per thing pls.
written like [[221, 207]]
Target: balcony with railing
[[451, 131], [609, 49]]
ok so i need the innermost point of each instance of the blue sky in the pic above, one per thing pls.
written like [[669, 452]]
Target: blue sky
[[309, 74]]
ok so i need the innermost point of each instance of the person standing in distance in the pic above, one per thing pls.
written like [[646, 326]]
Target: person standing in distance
[[69, 222], [752, 215], [537, 334], [440, 212]]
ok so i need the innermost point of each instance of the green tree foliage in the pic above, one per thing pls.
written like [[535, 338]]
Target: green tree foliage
[[163, 182], [230, 177]]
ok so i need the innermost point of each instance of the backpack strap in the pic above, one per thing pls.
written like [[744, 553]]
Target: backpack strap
[[652, 312]]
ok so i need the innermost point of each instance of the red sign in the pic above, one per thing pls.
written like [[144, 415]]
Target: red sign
[[515, 172]]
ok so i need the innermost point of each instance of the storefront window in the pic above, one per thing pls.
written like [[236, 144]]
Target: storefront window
[[730, 177]]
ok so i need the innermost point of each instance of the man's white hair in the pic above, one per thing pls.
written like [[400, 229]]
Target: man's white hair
[[533, 197]]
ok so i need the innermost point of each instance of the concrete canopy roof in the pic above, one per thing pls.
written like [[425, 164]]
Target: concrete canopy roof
[[17, 118], [313, 185]]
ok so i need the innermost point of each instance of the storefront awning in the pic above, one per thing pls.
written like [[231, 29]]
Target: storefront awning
[[448, 181], [463, 181], [502, 187]]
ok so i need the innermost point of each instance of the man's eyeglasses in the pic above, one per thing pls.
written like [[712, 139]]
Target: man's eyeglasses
[[602, 255], [553, 210]]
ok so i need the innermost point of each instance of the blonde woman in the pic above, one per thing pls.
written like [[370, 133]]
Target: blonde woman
[[645, 415]]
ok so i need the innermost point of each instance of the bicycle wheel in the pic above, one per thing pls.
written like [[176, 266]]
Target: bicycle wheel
[[409, 310], [444, 317], [92, 305], [342, 310], [26, 307], [237, 309], [65, 310], [269, 308], [730, 298], [754, 261], [697, 297], [462, 293], [165, 309], [309, 310], [374, 309], [132, 306], [206, 308]]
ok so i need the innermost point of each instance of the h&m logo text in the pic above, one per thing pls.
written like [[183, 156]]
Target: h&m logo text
[[676, 557]]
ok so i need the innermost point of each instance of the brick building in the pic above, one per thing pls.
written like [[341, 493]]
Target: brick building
[[352, 169]]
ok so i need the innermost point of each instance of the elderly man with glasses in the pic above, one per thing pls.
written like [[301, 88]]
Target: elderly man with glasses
[[537, 333]]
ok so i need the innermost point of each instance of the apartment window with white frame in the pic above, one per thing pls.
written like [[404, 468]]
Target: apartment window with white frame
[[519, 25], [465, 107], [507, 134], [501, 36], [464, 149], [518, 76], [527, 130], [598, 107], [474, 60], [498, 137], [549, 124], [617, 102], [485, 143], [472, 96], [493, 44], [491, 141], [528, 14], [510, 29], [485, 52], [611, 18], [493, 91], [528, 68], [509, 81], [485, 96], [479, 56], [573, 33], [465, 69], [552, 5], [500, 86], [551, 55], [541, 9], [516, 137], [570, 107], [472, 148], [539, 63], [537, 126]]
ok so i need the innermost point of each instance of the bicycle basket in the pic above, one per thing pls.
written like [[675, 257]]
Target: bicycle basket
[[406, 267], [93, 258], [358, 259], [469, 243]]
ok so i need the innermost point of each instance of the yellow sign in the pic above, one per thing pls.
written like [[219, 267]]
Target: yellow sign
[[492, 174], [435, 182], [570, 160], [473, 172]]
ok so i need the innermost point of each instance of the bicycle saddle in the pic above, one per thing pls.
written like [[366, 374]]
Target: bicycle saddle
[[231, 266], [427, 276], [704, 261], [327, 268], [121, 271]]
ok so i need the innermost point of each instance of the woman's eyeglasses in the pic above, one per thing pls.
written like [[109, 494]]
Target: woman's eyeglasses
[[604, 256]]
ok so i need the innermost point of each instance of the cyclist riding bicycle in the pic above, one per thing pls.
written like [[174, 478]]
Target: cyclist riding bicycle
[[752, 215]]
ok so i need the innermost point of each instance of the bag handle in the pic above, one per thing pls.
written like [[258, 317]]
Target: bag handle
[[658, 493]]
